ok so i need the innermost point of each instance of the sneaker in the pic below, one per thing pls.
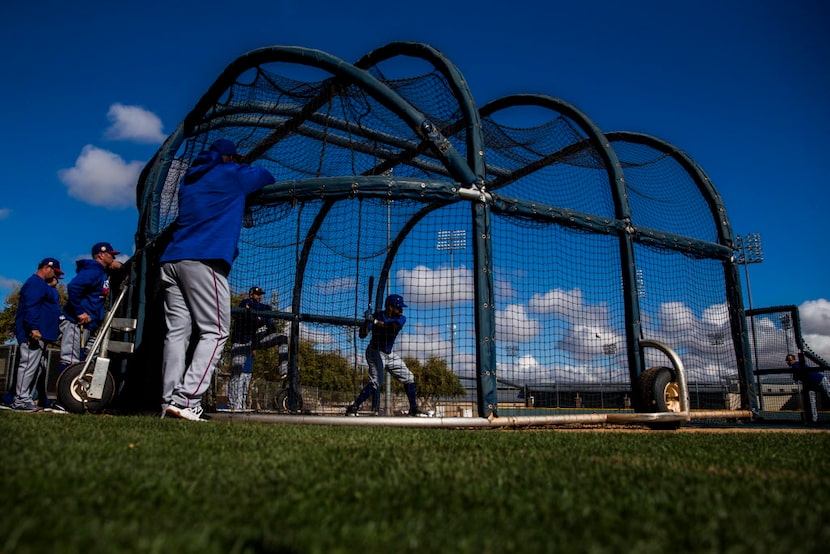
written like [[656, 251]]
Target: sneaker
[[415, 412], [352, 411], [190, 414], [56, 408], [30, 407]]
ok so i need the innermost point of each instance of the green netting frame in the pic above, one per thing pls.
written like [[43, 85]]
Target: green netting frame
[[371, 169]]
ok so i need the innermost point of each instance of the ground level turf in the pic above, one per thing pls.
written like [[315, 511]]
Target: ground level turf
[[141, 484]]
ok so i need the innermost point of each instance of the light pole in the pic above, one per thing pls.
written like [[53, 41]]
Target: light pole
[[385, 383], [452, 241], [748, 251], [786, 325]]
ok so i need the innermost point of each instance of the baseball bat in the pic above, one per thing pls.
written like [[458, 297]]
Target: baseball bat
[[371, 289]]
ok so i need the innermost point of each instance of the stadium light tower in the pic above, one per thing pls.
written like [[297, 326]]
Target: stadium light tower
[[786, 325], [748, 251], [452, 241]]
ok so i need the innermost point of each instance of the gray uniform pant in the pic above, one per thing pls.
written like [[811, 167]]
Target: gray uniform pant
[[196, 298], [240, 381], [379, 360], [238, 387], [72, 337], [809, 397], [31, 361]]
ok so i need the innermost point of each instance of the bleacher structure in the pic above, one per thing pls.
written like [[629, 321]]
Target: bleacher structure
[[535, 252]]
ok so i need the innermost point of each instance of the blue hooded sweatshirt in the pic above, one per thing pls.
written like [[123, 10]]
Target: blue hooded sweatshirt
[[211, 206], [38, 308], [87, 293]]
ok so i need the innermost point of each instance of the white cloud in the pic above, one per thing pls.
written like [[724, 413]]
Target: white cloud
[[513, 325], [523, 369], [557, 301], [528, 369], [134, 123], [569, 305], [815, 316], [425, 286], [102, 178], [676, 325], [332, 286], [815, 325], [315, 335], [423, 342], [504, 289], [4, 213], [820, 344], [7, 283]]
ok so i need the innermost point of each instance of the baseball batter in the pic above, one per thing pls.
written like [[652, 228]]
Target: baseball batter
[[385, 326]]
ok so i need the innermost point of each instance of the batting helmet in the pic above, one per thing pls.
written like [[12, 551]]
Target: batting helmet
[[395, 300]]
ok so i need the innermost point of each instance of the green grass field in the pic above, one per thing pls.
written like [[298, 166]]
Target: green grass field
[[139, 484]]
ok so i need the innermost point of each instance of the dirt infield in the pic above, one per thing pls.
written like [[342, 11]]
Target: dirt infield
[[750, 427]]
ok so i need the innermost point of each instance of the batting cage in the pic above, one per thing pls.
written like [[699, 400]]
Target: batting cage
[[774, 334], [540, 259]]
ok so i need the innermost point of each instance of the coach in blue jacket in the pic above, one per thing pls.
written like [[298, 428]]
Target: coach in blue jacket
[[194, 272], [35, 325], [85, 306]]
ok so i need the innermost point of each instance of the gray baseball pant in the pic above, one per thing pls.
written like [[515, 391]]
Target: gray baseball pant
[[379, 360], [72, 336], [196, 296], [31, 361]]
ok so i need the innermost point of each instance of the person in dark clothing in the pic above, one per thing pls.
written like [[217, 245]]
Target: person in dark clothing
[[194, 273], [245, 334], [35, 325], [385, 326], [85, 307], [813, 385]]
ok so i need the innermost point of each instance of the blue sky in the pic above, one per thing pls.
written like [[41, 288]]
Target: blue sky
[[91, 88]]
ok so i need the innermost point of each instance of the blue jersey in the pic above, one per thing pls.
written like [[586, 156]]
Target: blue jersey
[[808, 377], [38, 308], [211, 206], [87, 293], [383, 337]]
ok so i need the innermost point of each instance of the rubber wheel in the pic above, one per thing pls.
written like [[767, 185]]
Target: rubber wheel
[[71, 389], [660, 392], [281, 403]]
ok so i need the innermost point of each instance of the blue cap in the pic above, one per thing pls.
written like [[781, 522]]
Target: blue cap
[[104, 247], [223, 147], [395, 300], [53, 263]]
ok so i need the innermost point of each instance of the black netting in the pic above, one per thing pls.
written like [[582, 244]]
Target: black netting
[[365, 191], [559, 316], [662, 194]]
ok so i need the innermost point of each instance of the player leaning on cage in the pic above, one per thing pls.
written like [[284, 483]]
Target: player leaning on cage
[[813, 386], [194, 273], [385, 326]]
